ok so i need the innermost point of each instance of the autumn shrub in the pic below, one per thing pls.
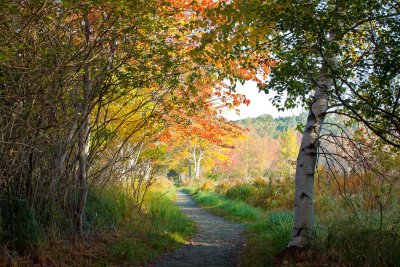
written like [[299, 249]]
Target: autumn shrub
[[269, 196], [260, 182], [327, 204], [242, 192], [222, 186], [214, 176], [207, 185]]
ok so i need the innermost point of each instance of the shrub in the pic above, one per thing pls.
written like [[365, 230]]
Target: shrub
[[207, 185], [242, 192], [222, 187], [260, 182]]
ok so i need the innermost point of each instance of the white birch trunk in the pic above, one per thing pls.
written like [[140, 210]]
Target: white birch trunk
[[194, 161], [198, 159], [307, 159]]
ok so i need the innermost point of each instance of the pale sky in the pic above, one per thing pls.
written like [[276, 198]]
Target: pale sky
[[260, 104]]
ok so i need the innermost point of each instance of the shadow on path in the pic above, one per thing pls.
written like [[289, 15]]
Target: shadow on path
[[217, 243]]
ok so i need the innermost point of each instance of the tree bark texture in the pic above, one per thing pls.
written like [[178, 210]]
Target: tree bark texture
[[307, 159]]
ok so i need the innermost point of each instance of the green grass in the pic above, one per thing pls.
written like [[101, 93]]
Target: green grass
[[339, 239], [268, 233], [137, 237], [266, 238], [235, 210]]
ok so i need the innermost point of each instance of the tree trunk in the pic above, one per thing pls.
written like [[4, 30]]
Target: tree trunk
[[83, 143], [82, 174], [194, 155], [307, 159], [305, 168], [189, 169], [199, 157]]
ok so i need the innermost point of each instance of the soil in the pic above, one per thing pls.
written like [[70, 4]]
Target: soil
[[217, 242]]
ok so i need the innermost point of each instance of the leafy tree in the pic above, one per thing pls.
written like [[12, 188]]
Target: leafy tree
[[330, 57]]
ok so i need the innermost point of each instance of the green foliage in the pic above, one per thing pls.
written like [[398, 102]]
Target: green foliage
[[266, 125], [18, 224]]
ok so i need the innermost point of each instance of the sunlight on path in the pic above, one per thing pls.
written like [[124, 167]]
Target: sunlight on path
[[217, 243]]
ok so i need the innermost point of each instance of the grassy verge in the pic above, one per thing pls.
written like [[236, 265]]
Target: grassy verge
[[339, 240], [118, 235], [267, 238], [235, 210], [267, 233], [145, 236]]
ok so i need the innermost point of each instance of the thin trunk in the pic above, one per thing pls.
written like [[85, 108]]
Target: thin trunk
[[198, 164], [307, 159], [147, 166], [84, 139], [194, 161], [189, 169]]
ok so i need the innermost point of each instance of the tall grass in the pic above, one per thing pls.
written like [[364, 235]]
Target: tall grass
[[339, 240], [266, 238], [143, 235], [119, 233]]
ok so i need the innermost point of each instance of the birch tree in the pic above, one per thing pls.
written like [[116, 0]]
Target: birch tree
[[321, 58]]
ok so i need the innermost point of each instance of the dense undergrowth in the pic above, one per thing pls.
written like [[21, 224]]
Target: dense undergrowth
[[340, 238], [117, 234]]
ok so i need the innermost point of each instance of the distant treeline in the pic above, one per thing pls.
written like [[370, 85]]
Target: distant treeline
[[270, 126]]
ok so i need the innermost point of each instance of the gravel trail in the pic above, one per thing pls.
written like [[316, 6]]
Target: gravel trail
[[217, 243]]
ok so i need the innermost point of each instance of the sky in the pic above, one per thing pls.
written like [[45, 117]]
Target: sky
[[260, 104]]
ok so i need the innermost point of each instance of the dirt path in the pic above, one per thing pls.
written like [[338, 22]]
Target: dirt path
[[217, 243]]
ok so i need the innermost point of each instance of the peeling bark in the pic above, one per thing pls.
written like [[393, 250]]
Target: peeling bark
[[305, 168], [307, 159]]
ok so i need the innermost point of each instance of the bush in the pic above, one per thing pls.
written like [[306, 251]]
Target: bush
[[214, 176], [242, 192], [260, 182], [207, 185]]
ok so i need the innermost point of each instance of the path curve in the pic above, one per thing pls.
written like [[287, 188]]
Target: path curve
[[217, 243]]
